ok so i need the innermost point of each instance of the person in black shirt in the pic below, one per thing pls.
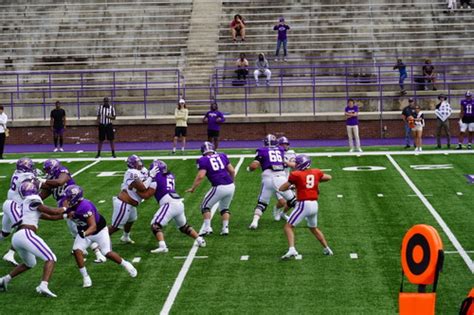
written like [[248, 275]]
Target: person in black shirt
[[408, 111], [58, 124], [105, 115]]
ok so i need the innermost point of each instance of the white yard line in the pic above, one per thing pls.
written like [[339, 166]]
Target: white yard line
[[436, 215], [84, 168], [449, 252], [187, 263]]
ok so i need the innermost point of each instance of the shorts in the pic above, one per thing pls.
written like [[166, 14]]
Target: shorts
[[106, 132], [58, 131], [271, 182], [222, 194], [213, 133], [28, 245], [417, 128], [180, 131], [123, 213], [102, 239], [307, 209]]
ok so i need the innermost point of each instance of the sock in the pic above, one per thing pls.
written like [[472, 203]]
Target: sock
[[113, 152], [182, 149], [7, 278], [124, 263], [256, 218], [207, 223], [225, 223], [44, 284], [83, 271], [98, 152], [258, 213], [55, 142], [161, 244], [61, 142], [292, 248], [126, 235], [174, 149]]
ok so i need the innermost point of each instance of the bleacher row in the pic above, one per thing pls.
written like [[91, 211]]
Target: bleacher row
[[56, 35]]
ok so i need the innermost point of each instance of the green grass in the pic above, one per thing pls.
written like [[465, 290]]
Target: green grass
[[360, 222]]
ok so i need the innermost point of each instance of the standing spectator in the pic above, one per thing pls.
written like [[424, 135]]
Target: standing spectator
[[443, 111], [407, 112], [429, 74], [181, 117], [352, 124], [466, 121], [214, 119], [402, 69], [105, 115], [418, 128], [262, 69], [282, 39], [452, 5], [3, 130], [242, 67], [237, 28], [466, 4], [58, 124]]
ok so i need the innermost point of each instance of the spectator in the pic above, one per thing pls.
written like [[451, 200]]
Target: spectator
[[3, 130], [466, 4], [466, 121], [105, 115], [352, 124], [58, 125], [402, 69], [237, 28], [419, 121], [407, 112], [443, 111], [214, 119], [452, 5], [282, 28], [181, 117], [429, 75], [242, 67], [262, 69]]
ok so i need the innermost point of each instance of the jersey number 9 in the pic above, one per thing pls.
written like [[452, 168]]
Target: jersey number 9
[[310, 181]]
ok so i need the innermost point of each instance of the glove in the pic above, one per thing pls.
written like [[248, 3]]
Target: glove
[[248, 169], [152, 173], [81, 233]]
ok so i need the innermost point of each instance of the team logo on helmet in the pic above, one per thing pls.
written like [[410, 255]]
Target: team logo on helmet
[[134, 161], [160, 165], [207, 147], [28, 188], [270, 140], [283, 140], [74, 194], [25, 165], [302, 162], [50, 166]]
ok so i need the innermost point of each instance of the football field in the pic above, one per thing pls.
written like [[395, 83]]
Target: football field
[[373, 199]]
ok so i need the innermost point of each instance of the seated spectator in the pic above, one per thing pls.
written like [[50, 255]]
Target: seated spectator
[[242, 67], [402, 69], [429, 74], [466, 4], [262, 69], [237, 28], [282, 28]]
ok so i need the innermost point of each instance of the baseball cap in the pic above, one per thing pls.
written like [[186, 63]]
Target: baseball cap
[[411, 99], [182, 101]]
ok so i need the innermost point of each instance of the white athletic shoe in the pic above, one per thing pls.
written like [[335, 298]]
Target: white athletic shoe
[[159, 250], [351, 150], [253, 225], [126, 240], [3, 285], [130, 269], [277, 214], [359, 150], [205, 232], [100, 258], [61, 150], [225, 231], [45, 291], [201, 242], [55, 150], [291, 253], [87, 283], [10, 257], [328, 252]]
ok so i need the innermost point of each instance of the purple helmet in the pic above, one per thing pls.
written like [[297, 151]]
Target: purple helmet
[[283, 140], [468, 94], [270, 140], [51, 165], [207, 147], [160, 165], [134, 161], [73, 194], [25, 165], [28, 188], [302, 162]]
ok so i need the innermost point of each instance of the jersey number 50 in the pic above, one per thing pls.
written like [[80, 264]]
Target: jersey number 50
[[275, 156]]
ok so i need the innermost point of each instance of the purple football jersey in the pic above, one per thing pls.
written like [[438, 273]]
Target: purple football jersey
[[468, 107], [165, 184], [271, 158], [82, 211], [58, 191], [212, 117], [216, 168], [352, 121]]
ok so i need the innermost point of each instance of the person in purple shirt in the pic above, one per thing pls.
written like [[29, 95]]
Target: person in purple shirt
[[58, 178], [466, 122], [91, 227], [171, 206], [220, 173], [271, 158], [352, 123], [282, 39], [214, 119]]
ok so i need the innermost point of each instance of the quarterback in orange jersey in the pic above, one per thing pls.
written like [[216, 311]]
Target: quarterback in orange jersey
[[306, 181]]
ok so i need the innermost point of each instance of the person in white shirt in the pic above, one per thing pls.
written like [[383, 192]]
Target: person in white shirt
[[418, 129], [443, 111], [181, 117], [3, 130]]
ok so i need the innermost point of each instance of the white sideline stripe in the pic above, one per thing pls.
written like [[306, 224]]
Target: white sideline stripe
[[136, 260], [187, 263], [244, 257], [436, 215], [450, 252], [195, 257], [84, 168]]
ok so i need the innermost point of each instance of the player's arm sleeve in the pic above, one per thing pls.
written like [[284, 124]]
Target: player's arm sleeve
[[35, 203]]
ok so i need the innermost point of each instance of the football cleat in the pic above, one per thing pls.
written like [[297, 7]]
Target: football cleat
[[99, 258], [359, 150], [290, 254], [201, 242], [45, 291], [469, 146], [253, 225], [277, 214], [130, 269], [328, 252], [159, 250], [225, 231], [87, 283], [205, 232], [3, 284], [126, 240], [9, 257]]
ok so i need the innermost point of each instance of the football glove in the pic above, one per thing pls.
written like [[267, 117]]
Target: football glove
[[152, 173]]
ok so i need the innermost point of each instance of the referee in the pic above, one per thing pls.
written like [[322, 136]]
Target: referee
[[105, 115]]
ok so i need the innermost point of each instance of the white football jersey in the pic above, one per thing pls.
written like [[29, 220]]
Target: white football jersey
[[18, 178], [31, 214], [130, 176], [290, 156]]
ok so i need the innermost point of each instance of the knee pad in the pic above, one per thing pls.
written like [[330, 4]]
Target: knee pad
[[155, 228], [261, 206], [204, 210], [186, 229], [291, 203], [224, 211]]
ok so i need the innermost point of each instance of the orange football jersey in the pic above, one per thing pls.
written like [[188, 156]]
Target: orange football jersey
[[306, 183]]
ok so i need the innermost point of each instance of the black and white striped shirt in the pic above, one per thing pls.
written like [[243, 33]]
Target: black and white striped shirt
[[103, 113]]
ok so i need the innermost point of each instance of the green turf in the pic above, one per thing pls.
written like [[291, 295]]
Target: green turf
[[360, 222]]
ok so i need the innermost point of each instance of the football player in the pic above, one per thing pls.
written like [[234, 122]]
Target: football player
[[306, 181], [27, 243], [466, 122], [12, 212], [220, 173], [171, 206], [281, 207], [270, 158], [125, 204], [91, 227]]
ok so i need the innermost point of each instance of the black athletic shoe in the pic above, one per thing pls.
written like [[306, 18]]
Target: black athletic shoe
[[407, 146], [459, 147]]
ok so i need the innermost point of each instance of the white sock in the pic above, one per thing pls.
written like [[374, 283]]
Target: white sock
[[44, 284], [174, 149], [124, 263], [125, 234], [7, 278], [182, 149], [207, 223], [225, 223], [162, 244], [83, 271], [256, 218], [258, 213], [292, 248]]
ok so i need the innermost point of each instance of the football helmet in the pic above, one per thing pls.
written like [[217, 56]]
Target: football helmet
[[468, 94], [134, 161], [160, 165], [302, 162], [74, 194], [207, 147], [270, 140], [51, 165], [28, 188], [25, 165]]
